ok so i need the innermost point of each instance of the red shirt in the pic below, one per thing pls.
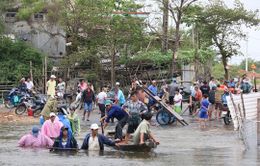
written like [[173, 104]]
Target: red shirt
[[198, 95]]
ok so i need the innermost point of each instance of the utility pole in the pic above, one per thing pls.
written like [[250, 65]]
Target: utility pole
[[165, 26]]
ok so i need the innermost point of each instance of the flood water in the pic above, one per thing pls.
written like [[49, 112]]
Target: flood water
[[189, 145]]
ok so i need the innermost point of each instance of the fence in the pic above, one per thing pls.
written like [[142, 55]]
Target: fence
[[246, 115], [4, 89]]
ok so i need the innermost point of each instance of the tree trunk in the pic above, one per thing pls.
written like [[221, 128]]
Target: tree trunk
[[175, 50], [165, 26], [224, 61]]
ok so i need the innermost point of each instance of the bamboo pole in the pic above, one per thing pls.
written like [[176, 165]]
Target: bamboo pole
[[258, 122], [43, 78], [45, 73], [31, 72], [243, 106]]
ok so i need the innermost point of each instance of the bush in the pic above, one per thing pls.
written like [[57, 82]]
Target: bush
[[15, 60]]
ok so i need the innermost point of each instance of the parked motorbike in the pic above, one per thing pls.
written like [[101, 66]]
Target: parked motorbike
[[185, 94], [34, 104], [226, 115], [14, 98]]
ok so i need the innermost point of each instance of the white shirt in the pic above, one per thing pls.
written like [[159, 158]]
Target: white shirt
[[211, 84], [29, 85], [101, 97], [93, 144], [177, 99]]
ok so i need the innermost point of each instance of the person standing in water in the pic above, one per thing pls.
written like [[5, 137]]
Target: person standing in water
[[88, 97], [65, 140]]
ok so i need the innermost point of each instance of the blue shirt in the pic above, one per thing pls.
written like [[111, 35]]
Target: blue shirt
[[153, 89], [65, 122], [232, 84], [116, 112], [121, 97], [204, 105]]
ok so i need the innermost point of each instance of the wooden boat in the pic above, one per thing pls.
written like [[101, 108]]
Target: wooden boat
[[146, 147]]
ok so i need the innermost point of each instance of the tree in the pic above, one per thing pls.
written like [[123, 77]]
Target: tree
[[223, 26], [15, 58], [250, 62], [177, 9]]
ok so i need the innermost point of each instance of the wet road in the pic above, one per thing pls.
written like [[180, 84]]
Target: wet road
[[217, 145]]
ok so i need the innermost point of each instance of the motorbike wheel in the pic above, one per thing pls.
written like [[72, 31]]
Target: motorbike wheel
[[20, 109], [37, 112], [227, 119], [163, 117], [9, 104]]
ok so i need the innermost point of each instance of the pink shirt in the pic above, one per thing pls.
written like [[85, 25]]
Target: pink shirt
[[52, 130], [41, 141], [83, 86]]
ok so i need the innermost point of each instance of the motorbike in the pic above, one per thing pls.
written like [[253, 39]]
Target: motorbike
[[14, 98], [185, 94], [36, 104], [226, 115]]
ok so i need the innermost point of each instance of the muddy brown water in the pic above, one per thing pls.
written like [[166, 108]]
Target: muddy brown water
[[217, 145]]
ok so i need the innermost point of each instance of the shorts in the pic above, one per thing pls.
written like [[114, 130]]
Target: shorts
[[102, 109], [196, 104], [177, 109], [211, 106], [203, 114], [133, 123], [171, 100], [87, 107], [218, 106]]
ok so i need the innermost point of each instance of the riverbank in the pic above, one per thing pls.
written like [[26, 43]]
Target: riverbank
[[8, 116]]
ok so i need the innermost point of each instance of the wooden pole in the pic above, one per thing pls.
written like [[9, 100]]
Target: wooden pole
[[243, 106], [45, 73], [43, 78], [113, 66], [31, 72], [258, 122]]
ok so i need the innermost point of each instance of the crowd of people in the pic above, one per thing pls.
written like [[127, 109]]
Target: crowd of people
[[59, 129], [206, 99]]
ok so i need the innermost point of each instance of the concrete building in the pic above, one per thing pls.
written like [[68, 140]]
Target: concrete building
[[49, 39]]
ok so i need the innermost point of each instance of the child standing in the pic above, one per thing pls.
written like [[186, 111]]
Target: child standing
[[177, 101], [203, 112]]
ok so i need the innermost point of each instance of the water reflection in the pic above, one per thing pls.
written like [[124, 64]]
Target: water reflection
[[108, 154], [218, 145]]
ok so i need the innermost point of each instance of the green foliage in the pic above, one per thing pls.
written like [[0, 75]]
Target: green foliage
[[158, 58], [202, 55], [15, 60], [221, 26], [155, 57], [242, 65], [218, 71], [30, 7]]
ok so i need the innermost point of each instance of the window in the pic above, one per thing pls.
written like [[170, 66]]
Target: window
[[10, 17], [38, 17]]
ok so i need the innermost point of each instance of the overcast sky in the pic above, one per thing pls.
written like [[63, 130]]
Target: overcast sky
[[254, 34]]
